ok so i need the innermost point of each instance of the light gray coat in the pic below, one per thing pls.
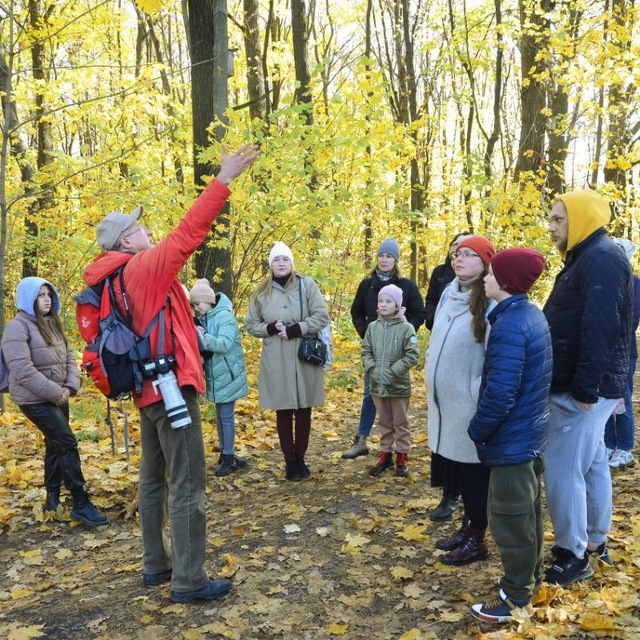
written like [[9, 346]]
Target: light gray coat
[[453, 372], [285, 381]]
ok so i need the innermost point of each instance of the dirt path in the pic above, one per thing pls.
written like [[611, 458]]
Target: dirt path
[[341, 555]]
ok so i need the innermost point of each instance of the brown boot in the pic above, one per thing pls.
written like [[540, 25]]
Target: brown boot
[[473, 548], [448, 544]]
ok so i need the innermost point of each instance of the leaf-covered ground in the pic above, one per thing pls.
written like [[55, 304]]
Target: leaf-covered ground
[[340, 555]]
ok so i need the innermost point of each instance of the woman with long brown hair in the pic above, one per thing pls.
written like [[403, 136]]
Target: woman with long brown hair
[[43, 375], [453, 373]]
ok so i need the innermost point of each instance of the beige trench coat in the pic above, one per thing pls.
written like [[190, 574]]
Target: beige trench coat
[[285, 381]]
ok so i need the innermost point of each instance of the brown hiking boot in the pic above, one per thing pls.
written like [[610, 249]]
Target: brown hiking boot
[[448, 544], [472, 549]]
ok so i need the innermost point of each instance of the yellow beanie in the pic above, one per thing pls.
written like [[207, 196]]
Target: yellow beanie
[[587, 211]]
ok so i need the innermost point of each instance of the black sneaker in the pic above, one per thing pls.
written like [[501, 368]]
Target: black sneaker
[[603, 555], [498, 610], [568, 569]]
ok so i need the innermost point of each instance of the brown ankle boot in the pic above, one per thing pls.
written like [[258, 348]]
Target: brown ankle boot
[[473, 548], [447, 544]]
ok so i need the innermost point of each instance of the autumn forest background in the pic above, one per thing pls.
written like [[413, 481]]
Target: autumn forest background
[[376, 118]]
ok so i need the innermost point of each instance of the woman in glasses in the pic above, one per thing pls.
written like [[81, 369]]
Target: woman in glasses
[[453, 372]]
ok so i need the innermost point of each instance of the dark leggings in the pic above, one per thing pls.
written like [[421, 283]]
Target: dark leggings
[[61, 459], [475, 494], [294, 448]]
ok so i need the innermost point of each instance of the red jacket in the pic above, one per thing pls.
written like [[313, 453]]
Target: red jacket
[[152, 274]]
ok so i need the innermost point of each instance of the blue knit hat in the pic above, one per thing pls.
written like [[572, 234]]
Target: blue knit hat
[[390, 246]]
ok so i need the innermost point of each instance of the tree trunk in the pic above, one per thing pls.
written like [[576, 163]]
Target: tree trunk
[[209, 98], [37, 18], [497, 95], [255, 77], [533, 99], [620, 107]]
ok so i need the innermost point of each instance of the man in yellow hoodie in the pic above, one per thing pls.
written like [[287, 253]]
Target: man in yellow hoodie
[[589, 313]]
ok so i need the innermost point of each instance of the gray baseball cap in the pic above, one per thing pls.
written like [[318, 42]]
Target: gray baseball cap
[[112, 226]]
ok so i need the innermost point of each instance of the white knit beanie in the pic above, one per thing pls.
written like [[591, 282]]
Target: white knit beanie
[[280, 249]]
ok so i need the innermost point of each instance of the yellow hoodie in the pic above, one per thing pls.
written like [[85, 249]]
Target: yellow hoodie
[[587, 211]]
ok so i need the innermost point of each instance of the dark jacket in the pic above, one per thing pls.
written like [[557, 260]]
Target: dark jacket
[[636, 317], [511, 420], [590, 316], [364, 309], [441, 277]]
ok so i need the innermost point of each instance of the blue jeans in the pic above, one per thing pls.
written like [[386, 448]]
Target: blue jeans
[[172, 486], [368, 410], [620, 430], [577, 477], [226, 426], [61, 458]]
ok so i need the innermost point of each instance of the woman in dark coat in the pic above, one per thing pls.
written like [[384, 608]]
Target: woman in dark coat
[[364, 311]]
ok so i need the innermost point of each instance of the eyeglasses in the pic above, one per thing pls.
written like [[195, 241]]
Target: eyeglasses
[[465, 255], [126, 235]]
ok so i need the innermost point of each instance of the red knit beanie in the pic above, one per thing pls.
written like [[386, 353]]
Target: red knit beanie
[[516, 270], [483, 247]]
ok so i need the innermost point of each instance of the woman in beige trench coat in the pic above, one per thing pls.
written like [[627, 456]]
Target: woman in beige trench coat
[[285, 307]]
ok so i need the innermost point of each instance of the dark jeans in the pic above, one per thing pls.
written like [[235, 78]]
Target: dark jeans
[[367, 411], [515, 518], [61, 459]]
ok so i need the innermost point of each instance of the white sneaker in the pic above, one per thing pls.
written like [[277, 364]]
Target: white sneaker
[[610, 453], [620, 458]]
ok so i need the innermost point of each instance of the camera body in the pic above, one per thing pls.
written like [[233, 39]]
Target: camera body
[[166, 381], [159, 365]]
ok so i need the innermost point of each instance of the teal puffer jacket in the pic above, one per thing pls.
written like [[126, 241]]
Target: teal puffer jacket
[[225, 371]]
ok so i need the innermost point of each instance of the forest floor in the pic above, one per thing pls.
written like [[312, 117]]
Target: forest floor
[[340, 555]]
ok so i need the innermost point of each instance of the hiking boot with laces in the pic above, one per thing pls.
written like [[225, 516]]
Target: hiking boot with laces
[[359, 448], [568, 569], [497, 611], [472, 549], [385, 461], [448, 544]]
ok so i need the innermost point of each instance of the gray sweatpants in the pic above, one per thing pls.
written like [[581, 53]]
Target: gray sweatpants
[[577, 477]]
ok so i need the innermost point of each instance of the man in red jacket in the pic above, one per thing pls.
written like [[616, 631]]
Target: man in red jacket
[[172, 469]]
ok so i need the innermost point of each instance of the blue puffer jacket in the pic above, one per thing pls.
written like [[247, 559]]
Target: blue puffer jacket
[[589, 313], [511, 420], [224, 371]]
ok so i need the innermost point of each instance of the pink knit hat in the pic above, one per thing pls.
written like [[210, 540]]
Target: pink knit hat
[[394, 292]]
